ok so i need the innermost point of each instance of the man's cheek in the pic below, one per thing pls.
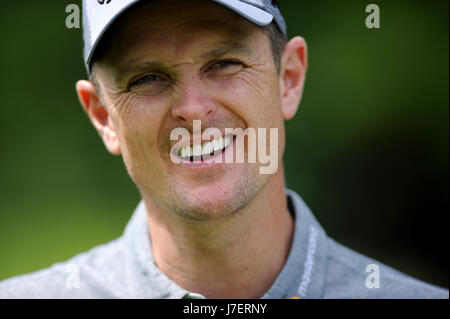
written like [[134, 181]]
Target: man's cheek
[[136, 152]]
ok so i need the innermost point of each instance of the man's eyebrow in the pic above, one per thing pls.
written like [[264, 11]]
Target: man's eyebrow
[[225, 49], [135, 66]]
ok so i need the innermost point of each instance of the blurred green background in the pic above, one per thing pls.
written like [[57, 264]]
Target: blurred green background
[[368, 150]]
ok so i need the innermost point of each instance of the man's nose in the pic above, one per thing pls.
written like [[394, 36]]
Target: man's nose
[[193, 102]]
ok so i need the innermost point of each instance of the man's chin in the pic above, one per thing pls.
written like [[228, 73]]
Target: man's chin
[[216, 196], [208, 208], [212, 202]]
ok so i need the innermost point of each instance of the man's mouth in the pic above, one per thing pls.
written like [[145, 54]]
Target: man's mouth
[[210, 148]]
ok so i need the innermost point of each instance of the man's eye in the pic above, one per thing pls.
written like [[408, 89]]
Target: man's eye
[[224, 64], [148, 84], [226, 67], [150, 78]]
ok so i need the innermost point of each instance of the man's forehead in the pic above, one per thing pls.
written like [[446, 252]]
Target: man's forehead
[[153, 31], [166, 18], [192, 41], [161, 59]]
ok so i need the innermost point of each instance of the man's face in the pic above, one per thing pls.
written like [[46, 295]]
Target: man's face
[[173, 62]]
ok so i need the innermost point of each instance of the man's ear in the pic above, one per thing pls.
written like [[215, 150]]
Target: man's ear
[[98, 114], [294, 63]]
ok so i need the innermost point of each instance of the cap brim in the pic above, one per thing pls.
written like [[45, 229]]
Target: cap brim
[[250, 12]]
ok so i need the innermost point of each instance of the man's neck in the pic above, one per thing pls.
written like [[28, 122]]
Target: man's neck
[[238, 257]]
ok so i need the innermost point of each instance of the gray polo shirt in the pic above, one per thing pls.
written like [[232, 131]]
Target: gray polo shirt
[[317, 267]]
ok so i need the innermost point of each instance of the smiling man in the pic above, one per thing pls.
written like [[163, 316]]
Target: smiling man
[[204, 229]]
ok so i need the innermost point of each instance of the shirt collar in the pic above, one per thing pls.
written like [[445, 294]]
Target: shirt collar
[[145, 280], [302, 276]]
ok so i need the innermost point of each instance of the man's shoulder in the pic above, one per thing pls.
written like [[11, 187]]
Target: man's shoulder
[[353, 275], [86, 275]]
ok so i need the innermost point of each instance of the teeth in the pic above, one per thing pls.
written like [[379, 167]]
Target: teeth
[[197, 150], [221, 144], [227, 141], [186, 151], [206, 148], [216, 145]]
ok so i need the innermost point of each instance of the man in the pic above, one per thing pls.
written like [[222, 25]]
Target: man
[[204, 229]]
